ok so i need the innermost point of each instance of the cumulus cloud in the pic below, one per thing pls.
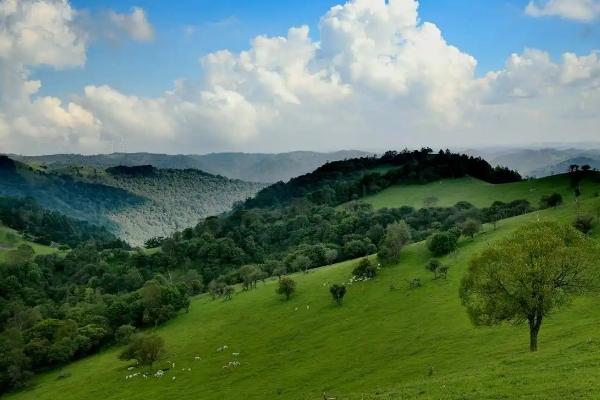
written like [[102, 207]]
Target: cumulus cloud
[[578, 10], [377, 77], [135, 25]]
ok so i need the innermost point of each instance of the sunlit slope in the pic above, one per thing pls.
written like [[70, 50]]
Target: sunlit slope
[[479, 193], [384, 343], [10, 239]]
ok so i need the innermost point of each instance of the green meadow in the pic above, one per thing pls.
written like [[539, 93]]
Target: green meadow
[[479, 193], [10, 239], [387, 340]]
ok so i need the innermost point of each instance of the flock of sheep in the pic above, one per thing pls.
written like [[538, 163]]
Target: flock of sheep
[[162, 372]]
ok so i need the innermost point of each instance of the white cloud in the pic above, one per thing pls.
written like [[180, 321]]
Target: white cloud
[[377, 77], [135, 25], [578, 10]]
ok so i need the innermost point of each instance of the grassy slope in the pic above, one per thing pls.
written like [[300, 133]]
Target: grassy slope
[[5, 245], [380, 343], [478, 193]]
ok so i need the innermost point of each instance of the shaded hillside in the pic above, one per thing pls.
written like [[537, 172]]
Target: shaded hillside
[[563, 167], [136, 204], [244, 166]]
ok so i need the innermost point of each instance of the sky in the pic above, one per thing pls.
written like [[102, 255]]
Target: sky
[[199, 76]]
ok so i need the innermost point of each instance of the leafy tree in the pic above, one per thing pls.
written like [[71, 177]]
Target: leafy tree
[[442, 243], [124, 333], [584, 223], [286, 287], [146, 350], [525, 277], [397, 235], [365, 269], [338, 292], [551, 201], [470, 227], [228, 292]]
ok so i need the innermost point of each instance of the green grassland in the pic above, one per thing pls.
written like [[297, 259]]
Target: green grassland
[[386, 341], [477, 192], [10, 239]]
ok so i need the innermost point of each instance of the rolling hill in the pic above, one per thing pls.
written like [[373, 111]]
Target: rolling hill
[[244, 166], [386, 342]]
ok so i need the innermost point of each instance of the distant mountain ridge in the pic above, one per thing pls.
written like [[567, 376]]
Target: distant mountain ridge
[[251, 167]]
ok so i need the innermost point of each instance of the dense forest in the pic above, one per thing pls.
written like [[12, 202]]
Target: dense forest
[[39, 225], [57, 308], [135, 203]]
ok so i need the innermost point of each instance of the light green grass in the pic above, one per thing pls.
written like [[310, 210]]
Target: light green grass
[[380, 344], [477, 192], [6, 244]]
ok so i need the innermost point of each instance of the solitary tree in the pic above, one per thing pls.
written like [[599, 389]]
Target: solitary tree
[[146, 350], [287, 286], [397, 235], [551, 200], [527, 276], [338, 292], [470, 227], [442, 243]]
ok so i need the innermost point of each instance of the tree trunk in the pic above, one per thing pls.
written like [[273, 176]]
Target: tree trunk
[[534, 329]]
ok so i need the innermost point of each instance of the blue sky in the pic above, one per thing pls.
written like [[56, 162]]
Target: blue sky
[[489, 30], [88, 76]]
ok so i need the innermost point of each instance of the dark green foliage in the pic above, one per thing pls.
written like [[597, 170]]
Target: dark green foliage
[[286, 287], [551, 200], [500, 210], [338, 292], [584, 223], [146, 350], [365, 269], [443, 243], [39, 225], [154, 242], [124, 333], [432, 266]]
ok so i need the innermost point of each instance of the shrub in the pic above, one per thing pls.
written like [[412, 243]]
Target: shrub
[[432, 266], [124, 333], [146, 350], [365, 269], [584, 223], [338, 292], [415, 283], [286, 287], [551, 200], [442, 243]]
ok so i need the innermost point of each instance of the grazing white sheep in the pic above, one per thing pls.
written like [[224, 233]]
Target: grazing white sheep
[[173, 378], [308, 307], [225, 347], [197, 358], [189, 369], [235, 354], [296, 309], [130, 368]]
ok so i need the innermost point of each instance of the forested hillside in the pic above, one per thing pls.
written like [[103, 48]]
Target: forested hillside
[[134, 203], [245, 166]]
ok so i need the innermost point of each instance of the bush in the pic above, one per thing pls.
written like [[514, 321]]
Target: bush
[[146, 350], [414, 283], [551, 200], [442, 243], [287, 287], [584, 223], [365, 269], [432, 266], [124, 333], [338, 292]]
